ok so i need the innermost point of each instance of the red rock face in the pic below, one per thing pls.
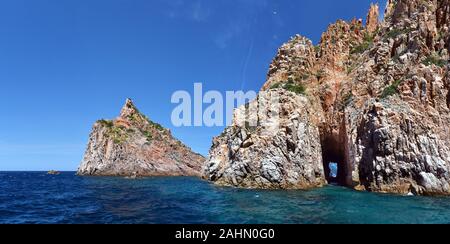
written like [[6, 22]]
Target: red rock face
[[132, 145], [372, 18], [293, 58]]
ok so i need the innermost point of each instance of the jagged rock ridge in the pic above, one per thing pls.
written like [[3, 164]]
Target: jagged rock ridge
[[378, 95], [133, 145]]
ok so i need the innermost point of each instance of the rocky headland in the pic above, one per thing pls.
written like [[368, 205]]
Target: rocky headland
[[134, 146], [372, 97]]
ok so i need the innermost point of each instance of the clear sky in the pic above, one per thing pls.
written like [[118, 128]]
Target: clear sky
[[66, 63]]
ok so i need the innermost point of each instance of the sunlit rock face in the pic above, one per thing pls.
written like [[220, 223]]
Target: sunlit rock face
[[281, 150], [372, 22], [133, 145], [375, 99]]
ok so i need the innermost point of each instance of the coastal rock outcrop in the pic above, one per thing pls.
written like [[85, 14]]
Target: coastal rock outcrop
[[133, 145], [378, 106], [275, 148]]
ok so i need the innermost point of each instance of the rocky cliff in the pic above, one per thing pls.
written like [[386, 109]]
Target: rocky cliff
[[267, 154], [133, 145], [372, 98]]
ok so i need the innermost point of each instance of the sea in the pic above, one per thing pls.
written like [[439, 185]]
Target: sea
[[39, 198]]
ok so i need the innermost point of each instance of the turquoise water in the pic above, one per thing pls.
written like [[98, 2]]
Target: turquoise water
[[35, 197]]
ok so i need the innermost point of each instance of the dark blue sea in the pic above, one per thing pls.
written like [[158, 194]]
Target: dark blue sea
[[35, 197]]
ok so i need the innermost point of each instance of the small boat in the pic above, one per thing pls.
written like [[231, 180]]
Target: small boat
[[53, 172]]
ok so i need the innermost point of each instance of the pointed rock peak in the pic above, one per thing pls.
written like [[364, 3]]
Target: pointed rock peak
[[300, 39], [129, 102], [390, 7], [372, 18], [298, 43], [128, 110]]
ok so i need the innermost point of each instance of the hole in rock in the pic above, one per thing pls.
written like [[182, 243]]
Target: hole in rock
[[334, 161], [333, 167]]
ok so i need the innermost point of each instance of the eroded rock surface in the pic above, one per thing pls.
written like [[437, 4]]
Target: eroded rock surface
[[268, 154], [133, 145], [379, 97]]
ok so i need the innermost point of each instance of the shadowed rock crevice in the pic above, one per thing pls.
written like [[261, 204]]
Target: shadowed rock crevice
[[333, 153], [334, 150], [448, 98], [447, 84]]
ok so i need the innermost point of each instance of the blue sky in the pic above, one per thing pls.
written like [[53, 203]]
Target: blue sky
[[66, 63]]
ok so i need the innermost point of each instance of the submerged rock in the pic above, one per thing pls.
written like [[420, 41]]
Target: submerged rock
[[132, 145]]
